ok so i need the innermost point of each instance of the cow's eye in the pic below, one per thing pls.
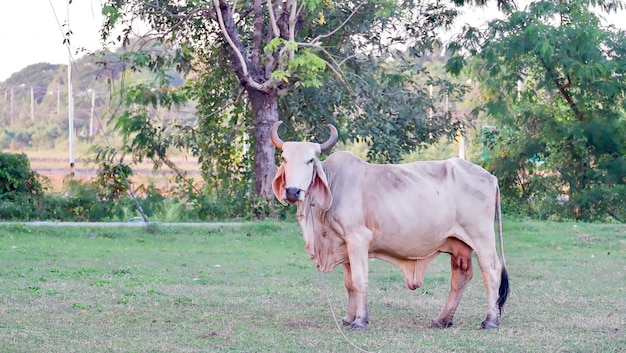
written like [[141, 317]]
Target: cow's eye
[[311, 161], [283, 159]]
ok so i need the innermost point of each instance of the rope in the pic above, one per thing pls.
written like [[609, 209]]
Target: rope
[[96, 115], [332, 311], [308, 203]]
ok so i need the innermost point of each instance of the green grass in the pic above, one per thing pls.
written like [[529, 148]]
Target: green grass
[[253, 288]]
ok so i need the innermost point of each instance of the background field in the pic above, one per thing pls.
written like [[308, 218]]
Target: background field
[[252, 288], [54, 165]]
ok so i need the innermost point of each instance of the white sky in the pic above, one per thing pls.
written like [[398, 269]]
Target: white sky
[[30, 34]]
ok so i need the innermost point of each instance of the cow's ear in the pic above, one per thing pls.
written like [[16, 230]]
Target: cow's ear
[[319, 187], [277, 184]]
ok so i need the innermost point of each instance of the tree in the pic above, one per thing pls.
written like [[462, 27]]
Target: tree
[[254, 53], [396, 107], [553, 80]]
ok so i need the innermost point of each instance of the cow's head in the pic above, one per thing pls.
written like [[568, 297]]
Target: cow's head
[[300, 174]]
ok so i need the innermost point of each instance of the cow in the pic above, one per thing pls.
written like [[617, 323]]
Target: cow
[[406, 214]]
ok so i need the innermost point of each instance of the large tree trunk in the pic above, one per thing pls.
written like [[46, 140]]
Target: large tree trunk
[[261, 92], [265, 110]]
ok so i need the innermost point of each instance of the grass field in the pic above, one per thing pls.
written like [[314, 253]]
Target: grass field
[[252, 288]]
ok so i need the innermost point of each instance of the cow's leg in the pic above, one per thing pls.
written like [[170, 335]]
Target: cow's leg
[[358, 247], [491, 269], [461, 263], [351, 311]]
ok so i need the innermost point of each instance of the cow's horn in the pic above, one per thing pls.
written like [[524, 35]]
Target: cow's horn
[[332, 140], [274, 135]]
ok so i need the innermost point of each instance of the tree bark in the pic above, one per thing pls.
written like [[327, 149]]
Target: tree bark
[[263, 98], [265, 110]]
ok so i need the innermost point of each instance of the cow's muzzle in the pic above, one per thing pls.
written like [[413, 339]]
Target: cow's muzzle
[[294, 195]]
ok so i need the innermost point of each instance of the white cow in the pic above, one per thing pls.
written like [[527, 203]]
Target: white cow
[[405, 214]]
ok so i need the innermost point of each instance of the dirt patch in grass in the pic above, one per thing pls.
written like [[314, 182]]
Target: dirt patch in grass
[[300, 323], [214, 334]]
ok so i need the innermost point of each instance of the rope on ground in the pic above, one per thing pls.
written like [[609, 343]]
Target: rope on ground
[[339, 328]]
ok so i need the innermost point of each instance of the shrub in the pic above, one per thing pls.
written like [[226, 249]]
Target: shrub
[[83, 203], [16, 177]]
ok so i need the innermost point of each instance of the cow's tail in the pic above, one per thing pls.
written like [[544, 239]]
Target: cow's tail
[[503, 292]]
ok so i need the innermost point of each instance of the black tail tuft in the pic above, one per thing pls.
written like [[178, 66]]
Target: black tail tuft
[[504, 289]]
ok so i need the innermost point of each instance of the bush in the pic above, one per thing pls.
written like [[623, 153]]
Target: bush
[[83, 203], [20, 207], [107, 198], [17, 178]]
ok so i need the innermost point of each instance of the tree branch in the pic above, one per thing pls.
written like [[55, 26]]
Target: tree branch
[[233, 46], [563, 91], [257, 8], [320, 37], [270, 58], [244, 74], [272, 15], [293, 19], [333, 64]]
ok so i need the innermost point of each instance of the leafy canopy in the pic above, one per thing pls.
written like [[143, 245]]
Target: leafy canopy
[[356, 65], [553, 79]]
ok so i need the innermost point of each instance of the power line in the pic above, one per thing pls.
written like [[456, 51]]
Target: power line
[[72, 64]]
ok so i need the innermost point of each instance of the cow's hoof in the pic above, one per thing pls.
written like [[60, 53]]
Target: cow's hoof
[[358, 327], [347, 321], [359, 324], [490, 324], [441, 323]]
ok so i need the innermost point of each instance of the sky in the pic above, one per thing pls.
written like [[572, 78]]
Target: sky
[[31, 31]]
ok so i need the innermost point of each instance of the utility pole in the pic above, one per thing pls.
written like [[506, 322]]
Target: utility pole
[[70, 102], [32, 104], [93, 108], [12, 106], [70, 96]]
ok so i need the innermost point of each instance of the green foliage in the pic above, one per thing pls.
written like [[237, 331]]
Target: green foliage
[[153, 202], [144, 135], [111, 13], [308, 67], [392, 110], [20, 207], [552, 82], [112, 180], [83, 203], [223, 134], [22, 194], [17, 178], [107, 198], [282, 57]]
